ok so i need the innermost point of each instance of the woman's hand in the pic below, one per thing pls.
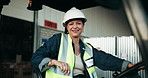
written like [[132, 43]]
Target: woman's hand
[[62, 65], [131, 65]]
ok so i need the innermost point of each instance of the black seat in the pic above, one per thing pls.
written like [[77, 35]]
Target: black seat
[[37, 74]]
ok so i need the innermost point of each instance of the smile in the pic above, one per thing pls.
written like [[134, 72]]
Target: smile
[[75, 31]]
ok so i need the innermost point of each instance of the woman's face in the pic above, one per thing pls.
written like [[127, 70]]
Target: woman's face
[[75, 28]]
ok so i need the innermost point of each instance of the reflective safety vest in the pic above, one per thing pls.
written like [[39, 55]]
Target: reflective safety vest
[[66, 54]]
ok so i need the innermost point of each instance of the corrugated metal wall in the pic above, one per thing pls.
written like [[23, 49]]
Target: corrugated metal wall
[[127, 48], [123, 47]]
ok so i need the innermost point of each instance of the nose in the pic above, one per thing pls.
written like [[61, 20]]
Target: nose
[[75, 25]]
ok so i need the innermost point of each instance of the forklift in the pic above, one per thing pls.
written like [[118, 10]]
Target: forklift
[[139, 30]]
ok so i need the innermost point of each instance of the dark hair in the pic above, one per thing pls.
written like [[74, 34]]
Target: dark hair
[[82, 19], [66, 31]]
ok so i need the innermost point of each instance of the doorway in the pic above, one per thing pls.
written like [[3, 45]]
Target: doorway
[[16, 47]]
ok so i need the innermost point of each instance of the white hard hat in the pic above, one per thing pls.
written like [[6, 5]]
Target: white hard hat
[[73, 13]]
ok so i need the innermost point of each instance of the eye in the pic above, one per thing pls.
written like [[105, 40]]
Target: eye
[[70, 23], [79, 23]]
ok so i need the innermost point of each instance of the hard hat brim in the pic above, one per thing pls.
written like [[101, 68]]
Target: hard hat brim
[[82, 19]]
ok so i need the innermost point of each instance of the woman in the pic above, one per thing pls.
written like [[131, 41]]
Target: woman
[[65, 55]]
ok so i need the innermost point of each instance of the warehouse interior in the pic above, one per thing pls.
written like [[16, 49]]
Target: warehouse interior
[[20, 36]]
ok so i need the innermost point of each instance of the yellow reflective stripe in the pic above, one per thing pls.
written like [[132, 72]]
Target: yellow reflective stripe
[[86, 56], [70, 53], [50, 74], [65, 52], [96, 77], [69, 39], [70, 57], [88, 45], [95, 74], [91, 69], [61, 48], [92, 72]]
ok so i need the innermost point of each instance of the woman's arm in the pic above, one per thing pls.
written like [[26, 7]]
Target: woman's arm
[[107, 61], [46, 52]]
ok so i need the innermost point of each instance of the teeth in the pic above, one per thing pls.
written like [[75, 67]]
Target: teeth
[[75, 30]]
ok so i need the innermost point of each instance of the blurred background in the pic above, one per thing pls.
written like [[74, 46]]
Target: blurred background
[[119, 27]]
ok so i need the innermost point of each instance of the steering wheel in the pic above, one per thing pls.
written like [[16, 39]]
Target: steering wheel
[[131, 69]]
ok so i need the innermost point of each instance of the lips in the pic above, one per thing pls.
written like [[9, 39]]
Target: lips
[[75, 31]]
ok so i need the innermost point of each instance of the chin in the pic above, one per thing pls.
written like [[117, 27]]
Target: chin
[[76, 36]]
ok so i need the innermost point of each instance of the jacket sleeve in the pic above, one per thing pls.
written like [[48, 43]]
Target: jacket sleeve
[[46, 52], [107, 61]]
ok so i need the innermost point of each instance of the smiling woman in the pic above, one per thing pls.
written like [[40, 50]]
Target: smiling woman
[[75, 28], [65, 55], [73, 22]]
